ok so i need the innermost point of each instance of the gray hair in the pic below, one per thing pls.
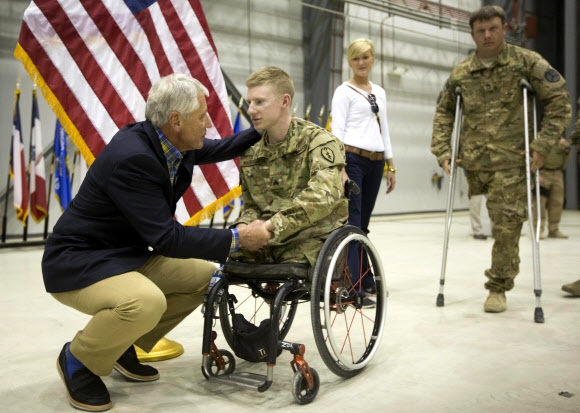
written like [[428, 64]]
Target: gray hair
[[173, 93]]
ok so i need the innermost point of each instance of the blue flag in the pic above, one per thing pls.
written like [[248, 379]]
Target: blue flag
[[228, 210], [238, 123], [62, 185]]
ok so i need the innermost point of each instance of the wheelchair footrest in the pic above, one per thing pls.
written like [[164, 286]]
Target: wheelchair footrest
[[250, 380]]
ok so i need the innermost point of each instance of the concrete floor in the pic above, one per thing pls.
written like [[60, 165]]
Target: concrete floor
[[451, 359]]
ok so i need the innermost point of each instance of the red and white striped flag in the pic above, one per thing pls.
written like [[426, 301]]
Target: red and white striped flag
[[38, 201], [95, 61], [18, 164]]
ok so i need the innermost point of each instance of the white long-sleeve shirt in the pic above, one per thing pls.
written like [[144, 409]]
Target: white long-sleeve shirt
[[355, 124]]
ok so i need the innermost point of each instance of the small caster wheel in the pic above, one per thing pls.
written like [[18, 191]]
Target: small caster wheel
[[230, 365], [300, 390]]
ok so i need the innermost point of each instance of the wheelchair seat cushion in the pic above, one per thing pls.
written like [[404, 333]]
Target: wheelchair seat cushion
[[270, 272]]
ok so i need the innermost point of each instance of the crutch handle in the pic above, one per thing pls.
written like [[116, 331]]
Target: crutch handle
[[525, 84], [458, 90]]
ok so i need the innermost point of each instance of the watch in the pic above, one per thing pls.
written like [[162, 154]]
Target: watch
[[392, 169]]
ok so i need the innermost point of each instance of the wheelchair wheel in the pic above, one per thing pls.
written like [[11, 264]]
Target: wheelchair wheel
[[230, 365], [255, 308], [300, 390], [347, 333]]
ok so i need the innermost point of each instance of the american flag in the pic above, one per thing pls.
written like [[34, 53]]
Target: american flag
[[38, 201], [18, 165], [95, 61]]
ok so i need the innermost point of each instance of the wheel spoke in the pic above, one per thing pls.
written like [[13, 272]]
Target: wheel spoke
[[362, 322], [246, 299], [335, 337]]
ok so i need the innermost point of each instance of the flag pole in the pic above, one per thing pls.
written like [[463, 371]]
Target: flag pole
[[25, 229], [4, 222], [5, 216], [226, 221], [48, 196], [72, 172], [320, 115]]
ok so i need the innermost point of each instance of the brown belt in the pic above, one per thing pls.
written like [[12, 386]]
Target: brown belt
[[373, 156]]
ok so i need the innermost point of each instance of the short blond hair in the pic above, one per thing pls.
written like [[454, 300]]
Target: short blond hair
[[358, 47], [274, 76]]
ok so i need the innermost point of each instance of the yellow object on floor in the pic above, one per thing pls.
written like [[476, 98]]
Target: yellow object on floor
[[165, 349]]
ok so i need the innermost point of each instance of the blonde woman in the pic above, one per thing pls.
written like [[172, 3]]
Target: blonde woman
[[359, 120]]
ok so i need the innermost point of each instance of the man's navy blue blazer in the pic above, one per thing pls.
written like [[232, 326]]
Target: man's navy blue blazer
[[123, 211]]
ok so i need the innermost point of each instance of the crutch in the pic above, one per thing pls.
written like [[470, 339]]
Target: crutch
[[452, 174], [534, 234]]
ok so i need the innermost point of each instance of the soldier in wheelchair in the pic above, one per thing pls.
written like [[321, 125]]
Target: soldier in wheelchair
[[293, 180]]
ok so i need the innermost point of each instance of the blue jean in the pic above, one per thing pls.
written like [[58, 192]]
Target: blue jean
[[368, 175]]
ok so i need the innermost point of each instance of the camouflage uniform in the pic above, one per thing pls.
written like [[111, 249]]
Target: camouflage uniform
[[575, 136], [492, 143], [552, 187], [297, 184]]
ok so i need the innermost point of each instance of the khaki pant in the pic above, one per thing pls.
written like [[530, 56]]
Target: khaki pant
[[551, 199], [506, 203], [139, 307], [475, 203]]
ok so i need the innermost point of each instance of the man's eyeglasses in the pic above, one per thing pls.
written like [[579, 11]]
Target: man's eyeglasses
[[373, 101]]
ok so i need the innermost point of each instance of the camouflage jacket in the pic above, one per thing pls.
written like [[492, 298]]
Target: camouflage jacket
[[492, 134], [297, 184], [575, 136], [557, 157]]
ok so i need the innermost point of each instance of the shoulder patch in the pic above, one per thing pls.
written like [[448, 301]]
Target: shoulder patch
[[552, 76], [327, 154]]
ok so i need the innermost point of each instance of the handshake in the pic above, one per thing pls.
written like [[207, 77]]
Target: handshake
[[255, 235]]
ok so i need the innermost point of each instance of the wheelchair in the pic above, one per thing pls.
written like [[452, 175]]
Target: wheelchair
[[346, 334]]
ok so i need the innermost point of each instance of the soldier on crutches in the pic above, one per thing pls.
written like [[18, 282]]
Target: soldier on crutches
[[451, 193], [534, 233], [481, 106]]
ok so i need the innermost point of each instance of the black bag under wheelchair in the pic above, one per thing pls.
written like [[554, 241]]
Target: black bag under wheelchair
[[256, 318], [250, 342]]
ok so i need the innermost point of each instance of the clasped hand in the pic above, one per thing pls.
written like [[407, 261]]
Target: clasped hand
[[255, 235]]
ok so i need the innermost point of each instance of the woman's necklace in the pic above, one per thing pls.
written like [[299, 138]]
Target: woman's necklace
[[366, 86]]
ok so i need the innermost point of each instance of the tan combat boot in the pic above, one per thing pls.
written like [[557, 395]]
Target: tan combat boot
[[542, 234], [495, 303], [573, 288], [557, 234]]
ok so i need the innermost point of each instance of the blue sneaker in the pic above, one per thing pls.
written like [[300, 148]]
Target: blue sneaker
[[86, 391]]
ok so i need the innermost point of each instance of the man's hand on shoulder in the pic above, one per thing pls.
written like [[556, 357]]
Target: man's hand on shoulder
[[254, 235]]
